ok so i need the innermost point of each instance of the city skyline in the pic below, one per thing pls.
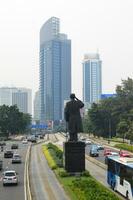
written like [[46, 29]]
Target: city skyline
[[55, 70], [102, 25]]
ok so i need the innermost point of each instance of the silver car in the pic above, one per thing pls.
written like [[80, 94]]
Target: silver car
[[10, 177], [16, 158]]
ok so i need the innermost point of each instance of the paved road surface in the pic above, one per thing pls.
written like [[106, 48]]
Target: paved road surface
[[14, 192], [44, 184]]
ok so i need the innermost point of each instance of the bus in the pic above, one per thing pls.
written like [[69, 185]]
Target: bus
[[120, 175]]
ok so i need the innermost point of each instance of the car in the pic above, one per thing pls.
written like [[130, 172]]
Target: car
[[100, 147], [10, 177], [16, 158], [36, 135], [8, 154], [94, 146], [33, 140], [25, 141], [2, 144], [87, 142], [82, 138], [29, 138], [41, 137], [94, 152], [124, 153], [107, 152], [14, 146]]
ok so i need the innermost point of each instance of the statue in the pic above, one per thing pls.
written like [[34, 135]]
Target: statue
[[73, 117]]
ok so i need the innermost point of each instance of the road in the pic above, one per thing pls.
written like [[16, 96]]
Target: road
[[13, 192], [96, 171], [44, 185], [101, 157]]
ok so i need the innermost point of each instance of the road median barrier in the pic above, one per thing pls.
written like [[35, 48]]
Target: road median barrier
[[96, 162], [27, 188]]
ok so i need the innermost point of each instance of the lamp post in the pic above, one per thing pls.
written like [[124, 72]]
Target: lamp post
[[109, 130]]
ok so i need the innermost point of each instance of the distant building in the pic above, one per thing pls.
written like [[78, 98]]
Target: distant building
[[37, 106], [106, 96], [6, 96], [19, 96], [55, 70], [92, 79]]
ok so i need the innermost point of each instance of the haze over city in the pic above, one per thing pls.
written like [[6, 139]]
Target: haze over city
[[103, 26]]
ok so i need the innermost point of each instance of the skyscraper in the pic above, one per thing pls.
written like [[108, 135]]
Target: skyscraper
[[37, 106], [92, 83], [55, 70], [19, 96]]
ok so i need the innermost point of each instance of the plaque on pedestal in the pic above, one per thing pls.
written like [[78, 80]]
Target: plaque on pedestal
[[74, 157]]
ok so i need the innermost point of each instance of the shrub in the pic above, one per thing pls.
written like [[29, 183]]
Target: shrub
[[85, 173], [63, 173], [49, 158], [56, 153], [89, 189]]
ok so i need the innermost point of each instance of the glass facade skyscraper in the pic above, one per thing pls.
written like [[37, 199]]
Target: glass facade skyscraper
[[55, 70], [92, 83]]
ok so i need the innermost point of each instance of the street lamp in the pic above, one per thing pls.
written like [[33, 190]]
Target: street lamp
[[109, 130]]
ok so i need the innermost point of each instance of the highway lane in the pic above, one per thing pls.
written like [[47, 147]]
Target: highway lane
[[44, 185], [101, 157], [14, 192]]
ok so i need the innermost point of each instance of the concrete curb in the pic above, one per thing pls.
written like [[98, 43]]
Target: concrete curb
[[27, 189], [96, 162]]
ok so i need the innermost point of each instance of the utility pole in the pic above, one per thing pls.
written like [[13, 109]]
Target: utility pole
[[109, 131]]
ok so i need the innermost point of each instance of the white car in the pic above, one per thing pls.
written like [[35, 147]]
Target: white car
[[16, 158], [10, 177], [24, 141], [87, 142]]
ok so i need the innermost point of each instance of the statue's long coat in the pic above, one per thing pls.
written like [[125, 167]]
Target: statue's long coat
[[73, 117]]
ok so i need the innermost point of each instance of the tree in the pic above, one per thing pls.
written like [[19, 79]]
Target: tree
[[122, 129], [14, 117], [4, 121], [114, 113], [12, 121], [25, 123]]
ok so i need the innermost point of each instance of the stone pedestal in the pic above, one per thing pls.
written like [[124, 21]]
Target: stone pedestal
[[74, 157]]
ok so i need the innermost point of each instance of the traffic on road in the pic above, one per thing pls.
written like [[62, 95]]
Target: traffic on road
[[12, 164]]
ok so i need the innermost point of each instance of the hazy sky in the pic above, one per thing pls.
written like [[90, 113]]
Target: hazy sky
[[106, 25]]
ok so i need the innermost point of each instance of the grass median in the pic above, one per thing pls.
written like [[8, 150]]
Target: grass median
[[83, 187], [125, 147]]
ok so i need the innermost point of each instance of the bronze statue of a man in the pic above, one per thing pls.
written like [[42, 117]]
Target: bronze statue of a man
[[73, 117]]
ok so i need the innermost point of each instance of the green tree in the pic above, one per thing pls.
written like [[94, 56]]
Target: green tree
[[14, 117], [4, 121], [114, 113], [25, 123], [122, 129], [12, 121]]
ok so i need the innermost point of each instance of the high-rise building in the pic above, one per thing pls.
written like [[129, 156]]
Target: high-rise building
[[92, 83], [19, 96], [37, 106], [55, 70]]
